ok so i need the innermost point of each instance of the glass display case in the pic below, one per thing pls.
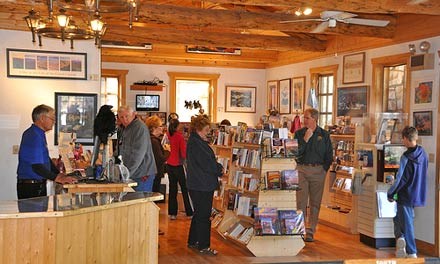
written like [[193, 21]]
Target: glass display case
[[383, 128]]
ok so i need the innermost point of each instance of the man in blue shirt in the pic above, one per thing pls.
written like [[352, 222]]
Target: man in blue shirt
[[410, 187], [34, 163]]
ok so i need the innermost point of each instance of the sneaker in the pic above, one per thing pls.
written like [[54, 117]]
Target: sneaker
[[413, 255], [309, 238], [208, 251], [173, 217], [400, 247]]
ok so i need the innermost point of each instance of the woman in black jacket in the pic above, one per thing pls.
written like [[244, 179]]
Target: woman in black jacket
[[203, 173]]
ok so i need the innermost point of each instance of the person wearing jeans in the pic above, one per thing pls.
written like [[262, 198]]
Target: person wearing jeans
[[176, 173]]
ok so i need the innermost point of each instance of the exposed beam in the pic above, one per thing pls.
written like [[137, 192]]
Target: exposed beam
[[298, 42], [428, 7]]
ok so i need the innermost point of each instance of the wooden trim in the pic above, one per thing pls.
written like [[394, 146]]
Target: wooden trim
[[437, 194], [121, 75], [139, 87], [212, 78], [426, 248]]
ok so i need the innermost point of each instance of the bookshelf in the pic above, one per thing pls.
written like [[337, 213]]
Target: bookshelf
[[232, 216], [339, 208], [224, 157]]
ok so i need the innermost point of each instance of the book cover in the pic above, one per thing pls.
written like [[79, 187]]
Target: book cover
[[291, 222], [291, 147], [267, 217], [273, 180], [289, 180], [267, 226], [277, 147]]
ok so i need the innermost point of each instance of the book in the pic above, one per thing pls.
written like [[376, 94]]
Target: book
[[291, 222], [277, 147], [291, 147], [266, 220], [267, 227], [289, 180], [273, 180]]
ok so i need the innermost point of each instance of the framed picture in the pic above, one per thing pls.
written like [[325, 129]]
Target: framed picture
[[285, 96], [423, 93], [353, 68], [75, 113], [272, 95], [423, 122], [161, 115], [240, 99], [298, 94], [46, 64], [386, 130], [352, 101]]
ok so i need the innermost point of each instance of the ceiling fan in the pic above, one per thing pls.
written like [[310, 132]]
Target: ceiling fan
[[330, 18]]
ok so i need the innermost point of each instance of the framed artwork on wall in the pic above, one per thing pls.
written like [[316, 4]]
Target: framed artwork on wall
[[240, 99], [75, 113], [285, 96], [272, 94], [352, 101], [422, 93], [298, 93], [46, 64], [423, 122], [353, 68]]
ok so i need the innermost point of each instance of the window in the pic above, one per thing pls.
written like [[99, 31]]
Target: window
[[325, 100], [394, 88], [109, 92]]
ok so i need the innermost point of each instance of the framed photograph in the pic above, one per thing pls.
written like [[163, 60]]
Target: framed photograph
[[161, 115], [423, 122], [353, 68], [240, 99], [352, 101], [298, 94], [423, 93], [75, 113], [285, 96], [272, 95], [46, 64]]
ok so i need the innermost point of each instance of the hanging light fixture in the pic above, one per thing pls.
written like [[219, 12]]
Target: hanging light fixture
[[62, 26]]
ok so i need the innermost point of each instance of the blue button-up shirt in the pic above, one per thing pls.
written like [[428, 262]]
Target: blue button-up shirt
[[33, 150]]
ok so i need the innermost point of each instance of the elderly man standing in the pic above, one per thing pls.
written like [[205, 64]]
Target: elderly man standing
[[315, 155], [34, 163], [136, 150]]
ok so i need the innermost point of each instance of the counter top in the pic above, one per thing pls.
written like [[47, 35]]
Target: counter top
[[72, 204]]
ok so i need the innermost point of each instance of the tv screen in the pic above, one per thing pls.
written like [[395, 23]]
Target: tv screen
[[147, 102], [392, 154]]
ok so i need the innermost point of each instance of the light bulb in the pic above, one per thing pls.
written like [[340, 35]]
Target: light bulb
[[307, 11], [424, 46], [298, 12], [412, 49]]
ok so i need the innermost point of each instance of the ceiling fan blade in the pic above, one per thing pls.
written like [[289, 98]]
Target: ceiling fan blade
[[366, 22], [338, 15], [320, 28], [300, 20], [416, 2]]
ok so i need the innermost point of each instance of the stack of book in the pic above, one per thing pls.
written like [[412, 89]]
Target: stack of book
[[284, 180], [270, 221]]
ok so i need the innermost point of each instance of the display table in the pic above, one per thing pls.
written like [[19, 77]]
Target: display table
[[81, 228], [100, 187]]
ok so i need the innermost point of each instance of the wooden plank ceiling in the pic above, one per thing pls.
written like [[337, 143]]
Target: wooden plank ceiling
[[251, 25]]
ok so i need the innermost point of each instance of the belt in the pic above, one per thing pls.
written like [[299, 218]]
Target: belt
[[311, 164], [30, 181]]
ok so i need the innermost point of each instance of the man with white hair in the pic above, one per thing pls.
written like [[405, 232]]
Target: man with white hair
[[134, 145]]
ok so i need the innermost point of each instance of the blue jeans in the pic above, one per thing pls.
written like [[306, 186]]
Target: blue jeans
[[144, 185], [404, 227]]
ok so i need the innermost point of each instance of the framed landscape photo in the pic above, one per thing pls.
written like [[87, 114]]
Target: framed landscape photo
[[353, 68], [240, 99], [298, 94], [46, 64], [75, 113], [423, 122], [352, 101], [285, 96], [272, 95]]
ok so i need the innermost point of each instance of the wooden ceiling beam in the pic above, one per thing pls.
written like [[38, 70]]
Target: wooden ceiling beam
[[427, 7], [298, 42]]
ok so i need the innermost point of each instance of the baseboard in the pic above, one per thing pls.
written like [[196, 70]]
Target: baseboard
[[425, 248]]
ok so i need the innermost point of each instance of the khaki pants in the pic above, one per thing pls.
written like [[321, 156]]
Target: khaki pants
[[311, 182]]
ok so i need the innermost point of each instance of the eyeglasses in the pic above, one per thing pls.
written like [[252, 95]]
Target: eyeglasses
[[50, 117]]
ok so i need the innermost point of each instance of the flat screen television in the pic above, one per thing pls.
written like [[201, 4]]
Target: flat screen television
[[147, 102], [391, 155]]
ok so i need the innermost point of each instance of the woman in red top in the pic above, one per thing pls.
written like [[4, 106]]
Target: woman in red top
[[175, 171]]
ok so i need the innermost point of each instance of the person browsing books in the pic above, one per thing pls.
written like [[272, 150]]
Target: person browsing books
[[315, 155], [410, 188]]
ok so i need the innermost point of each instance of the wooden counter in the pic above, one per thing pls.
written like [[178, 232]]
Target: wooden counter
[[80, 228], [100, 188]]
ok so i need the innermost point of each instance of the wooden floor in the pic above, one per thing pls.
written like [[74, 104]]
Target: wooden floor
[[329, 245]]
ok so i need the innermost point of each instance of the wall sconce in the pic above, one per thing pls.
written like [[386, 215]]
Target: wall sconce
[[424, 46]]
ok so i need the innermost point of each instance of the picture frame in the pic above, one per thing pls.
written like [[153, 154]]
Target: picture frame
[[386, 130], [161, 115], [423, 93], [353, 68], [272, 94], [75, 113], [285, 96], [240, 99], [46, 64], [298, 93], [423, 122], [352, 101]]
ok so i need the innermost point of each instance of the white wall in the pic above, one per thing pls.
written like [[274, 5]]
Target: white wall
[[19, 96], [424, 222], [228, 76]]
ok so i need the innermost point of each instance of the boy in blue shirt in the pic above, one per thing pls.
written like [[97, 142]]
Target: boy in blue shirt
[[410, 187]]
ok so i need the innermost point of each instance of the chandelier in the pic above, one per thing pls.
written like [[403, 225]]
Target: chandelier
[[63, 26]]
